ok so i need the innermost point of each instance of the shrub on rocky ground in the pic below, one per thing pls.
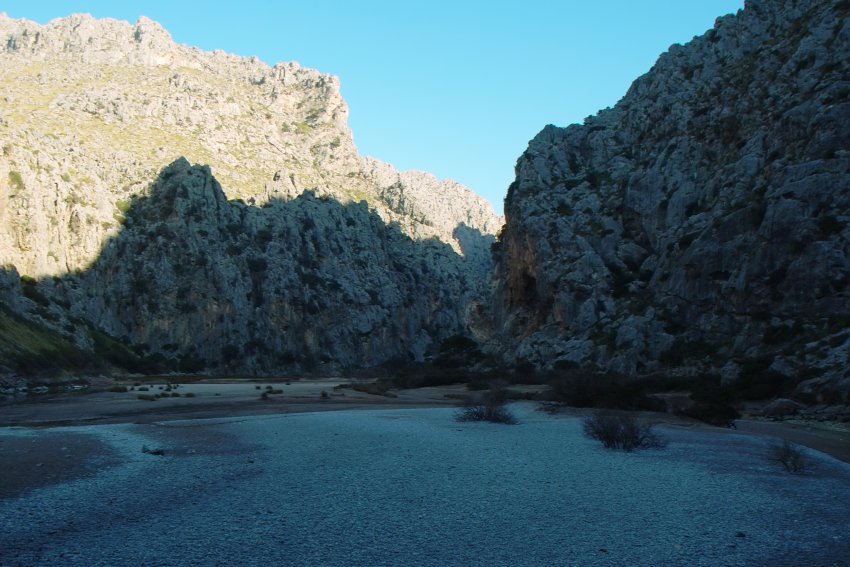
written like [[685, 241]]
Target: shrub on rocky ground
[[790, 456], [582, 389], [487, 407], [621, 431]]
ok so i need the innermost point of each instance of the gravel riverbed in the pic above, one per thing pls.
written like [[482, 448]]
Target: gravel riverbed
[[414, 487]]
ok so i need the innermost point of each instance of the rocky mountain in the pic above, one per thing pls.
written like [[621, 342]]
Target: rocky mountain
[[700, 226], [305, 253]]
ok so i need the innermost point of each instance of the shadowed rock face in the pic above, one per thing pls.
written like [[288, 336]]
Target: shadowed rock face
[[306, 254], [305, 281], [701, 223], [295, 285]]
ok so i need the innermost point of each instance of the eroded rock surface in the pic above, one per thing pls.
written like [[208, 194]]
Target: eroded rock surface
[[703, 220], [306, 254]]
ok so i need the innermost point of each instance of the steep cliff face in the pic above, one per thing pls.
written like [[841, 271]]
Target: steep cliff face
[[700, 225], [92, 110], [307, 254], [292, 284]]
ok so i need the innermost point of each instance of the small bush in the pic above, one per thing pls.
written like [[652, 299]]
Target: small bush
[[790, 456], [324, 395], [189, 395], [31, 292], [623, 432], [16, 181], [489, 407], [458, 352], [147, 397], [485, 412], [580, 389], [118, 389]]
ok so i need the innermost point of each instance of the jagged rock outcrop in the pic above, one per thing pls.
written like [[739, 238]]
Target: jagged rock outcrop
[[306, 255], [204, 283], [701, 224], [292, 284]]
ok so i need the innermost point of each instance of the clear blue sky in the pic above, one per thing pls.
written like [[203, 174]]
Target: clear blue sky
[[456, 88]]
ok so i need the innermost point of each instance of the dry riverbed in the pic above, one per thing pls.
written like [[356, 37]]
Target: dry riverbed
[[388, 485]]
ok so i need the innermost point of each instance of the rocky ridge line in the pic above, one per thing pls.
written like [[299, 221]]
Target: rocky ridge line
[[94, 109]]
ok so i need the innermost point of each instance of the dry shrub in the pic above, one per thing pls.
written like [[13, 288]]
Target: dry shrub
[[623, 432], [790, 456], [489, 407]]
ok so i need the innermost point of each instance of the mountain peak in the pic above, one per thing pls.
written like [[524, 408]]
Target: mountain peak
[[113, 103]]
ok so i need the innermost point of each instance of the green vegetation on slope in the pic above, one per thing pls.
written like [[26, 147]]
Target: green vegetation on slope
[[31, 350]]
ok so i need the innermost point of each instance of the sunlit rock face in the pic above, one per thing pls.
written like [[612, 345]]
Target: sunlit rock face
[[299, 252], [699, 225], [92, 110]]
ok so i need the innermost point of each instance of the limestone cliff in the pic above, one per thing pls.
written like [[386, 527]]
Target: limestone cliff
[[92, 110], [701, 224], [305, 254], [293, 284]]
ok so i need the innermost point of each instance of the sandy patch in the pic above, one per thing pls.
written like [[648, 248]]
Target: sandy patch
[[33, 459], [207, 399]]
